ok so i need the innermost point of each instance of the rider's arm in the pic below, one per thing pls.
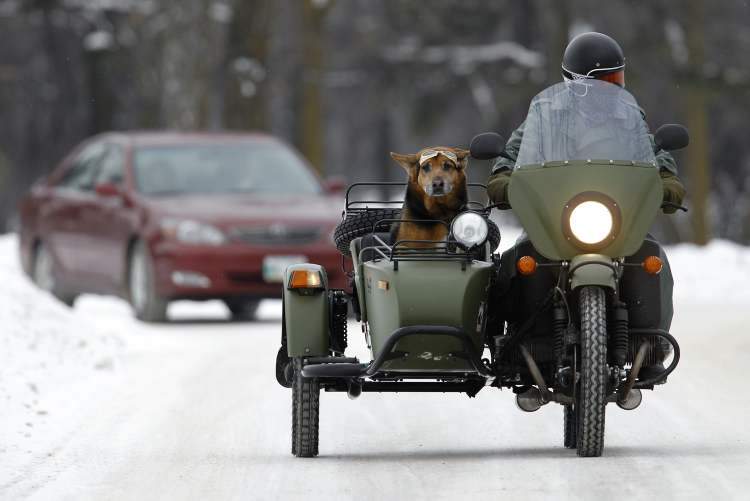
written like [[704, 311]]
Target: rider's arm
[[497, 184], [674, 191]]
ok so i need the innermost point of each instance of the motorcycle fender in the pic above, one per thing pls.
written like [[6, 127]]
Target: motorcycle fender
[[306, 316], [592, 269]]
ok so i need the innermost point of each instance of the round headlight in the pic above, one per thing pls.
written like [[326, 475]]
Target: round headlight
[[469, 229], [591, 222]]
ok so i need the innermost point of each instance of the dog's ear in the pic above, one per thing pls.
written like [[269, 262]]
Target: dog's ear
[[406, 161], [463, 157]]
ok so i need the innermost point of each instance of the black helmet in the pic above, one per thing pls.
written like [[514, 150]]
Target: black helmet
[[591, 55]]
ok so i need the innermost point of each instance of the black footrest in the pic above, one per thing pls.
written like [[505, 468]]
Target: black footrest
[[334, 370]]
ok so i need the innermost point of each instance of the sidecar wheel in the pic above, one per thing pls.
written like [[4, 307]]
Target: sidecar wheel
[[570, 425], [592, 401], [305, 415]]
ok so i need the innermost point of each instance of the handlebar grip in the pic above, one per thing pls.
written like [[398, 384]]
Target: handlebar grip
[[670, 205]]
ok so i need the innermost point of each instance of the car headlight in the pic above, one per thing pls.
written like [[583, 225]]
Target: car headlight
[[591, 220], [188, 231], [469, 229]]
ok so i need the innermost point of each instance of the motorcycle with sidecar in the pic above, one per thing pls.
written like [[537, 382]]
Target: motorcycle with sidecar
[[569, 315]]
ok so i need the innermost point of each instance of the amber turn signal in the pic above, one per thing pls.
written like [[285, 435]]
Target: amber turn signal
[[652, 265], [526, 265], [303, 279]]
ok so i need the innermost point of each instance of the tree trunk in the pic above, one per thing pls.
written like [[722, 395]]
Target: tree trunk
[[696, 104], [312, 96]]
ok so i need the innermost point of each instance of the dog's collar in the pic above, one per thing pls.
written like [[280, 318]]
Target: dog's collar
[[428, 154]]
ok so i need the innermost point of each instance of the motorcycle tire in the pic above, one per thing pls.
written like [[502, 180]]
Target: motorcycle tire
[[358, 224], [592, 401], [305, 413]]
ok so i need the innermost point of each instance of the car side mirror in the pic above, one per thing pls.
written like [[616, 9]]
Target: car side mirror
[[487, 146], [671, 137], [107, 190], [334, 184]]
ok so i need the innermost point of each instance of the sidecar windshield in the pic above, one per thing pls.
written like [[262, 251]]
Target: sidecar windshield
[[584, 120]]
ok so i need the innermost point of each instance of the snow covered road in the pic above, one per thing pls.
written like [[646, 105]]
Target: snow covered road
[[191, 410]]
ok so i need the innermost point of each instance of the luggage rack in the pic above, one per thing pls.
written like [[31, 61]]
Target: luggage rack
[[407, 250], [354, 205], [428, 250]]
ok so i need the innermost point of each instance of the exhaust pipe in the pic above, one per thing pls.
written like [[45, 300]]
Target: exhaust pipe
[[531, 400], [629, 398], [353, 389], [535, 397], [631, 401]]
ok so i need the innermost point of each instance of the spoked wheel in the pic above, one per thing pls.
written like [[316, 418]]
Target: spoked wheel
[[305, 406], [43, 275], [147, 304], [570, 424], [591, 395]]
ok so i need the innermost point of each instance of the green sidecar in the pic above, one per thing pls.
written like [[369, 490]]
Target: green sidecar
[[569, 315]]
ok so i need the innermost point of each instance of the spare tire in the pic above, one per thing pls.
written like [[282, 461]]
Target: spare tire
[[358, 224]]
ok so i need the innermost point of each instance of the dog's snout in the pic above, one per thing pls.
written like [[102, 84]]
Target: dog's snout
[[438, 184]]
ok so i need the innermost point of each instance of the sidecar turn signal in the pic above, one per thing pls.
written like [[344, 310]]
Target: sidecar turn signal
[[653, 265], [526, 265], [304, 279]]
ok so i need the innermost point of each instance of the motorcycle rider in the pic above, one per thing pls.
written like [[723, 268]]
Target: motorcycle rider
[[597, 56]]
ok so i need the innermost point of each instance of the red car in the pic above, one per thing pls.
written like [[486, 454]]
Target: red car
[[155, 217]]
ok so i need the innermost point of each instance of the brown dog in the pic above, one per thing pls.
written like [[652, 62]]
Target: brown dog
[[436, 191]]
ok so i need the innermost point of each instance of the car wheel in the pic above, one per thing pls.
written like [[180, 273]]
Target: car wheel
[[242, 310], [43, 275], [147, 304]]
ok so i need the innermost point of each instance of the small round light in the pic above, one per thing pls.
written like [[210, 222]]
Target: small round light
[[591, 222], [653, 265], [526, 265], [469, 229]]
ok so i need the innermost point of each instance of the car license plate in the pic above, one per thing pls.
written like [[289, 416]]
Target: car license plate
[[275, 266]]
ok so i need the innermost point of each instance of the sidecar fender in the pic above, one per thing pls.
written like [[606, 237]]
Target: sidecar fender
[[592, 269], [306, 315]]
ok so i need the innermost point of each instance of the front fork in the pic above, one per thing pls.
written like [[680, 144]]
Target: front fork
[[586, 270]]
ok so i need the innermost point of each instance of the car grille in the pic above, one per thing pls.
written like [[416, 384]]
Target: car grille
[[275, 235]]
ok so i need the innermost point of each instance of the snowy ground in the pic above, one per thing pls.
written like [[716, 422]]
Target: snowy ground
[[95, 405]]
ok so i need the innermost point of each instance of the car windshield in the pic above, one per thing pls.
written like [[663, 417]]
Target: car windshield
[[250, 167], [584, 120]]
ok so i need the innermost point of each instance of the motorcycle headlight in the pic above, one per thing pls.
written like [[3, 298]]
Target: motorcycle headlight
[[591, 220], [193, 232], [469, 229]]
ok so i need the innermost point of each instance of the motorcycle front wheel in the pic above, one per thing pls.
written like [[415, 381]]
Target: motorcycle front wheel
[[591, 398]]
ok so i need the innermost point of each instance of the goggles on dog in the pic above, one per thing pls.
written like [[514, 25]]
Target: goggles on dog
[[428, 154]]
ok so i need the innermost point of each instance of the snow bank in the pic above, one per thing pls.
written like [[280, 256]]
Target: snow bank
[[51, 359], [718, 273]]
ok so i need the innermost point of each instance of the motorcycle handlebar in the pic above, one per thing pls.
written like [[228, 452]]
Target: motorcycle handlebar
[[670, 205]]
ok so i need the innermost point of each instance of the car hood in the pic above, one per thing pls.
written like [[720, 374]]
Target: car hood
[[238, 209]]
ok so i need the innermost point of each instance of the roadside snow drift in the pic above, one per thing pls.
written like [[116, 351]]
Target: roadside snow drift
[[51, 359]]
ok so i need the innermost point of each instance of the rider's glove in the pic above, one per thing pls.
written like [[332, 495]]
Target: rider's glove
[[497, 188], [674, 191]]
